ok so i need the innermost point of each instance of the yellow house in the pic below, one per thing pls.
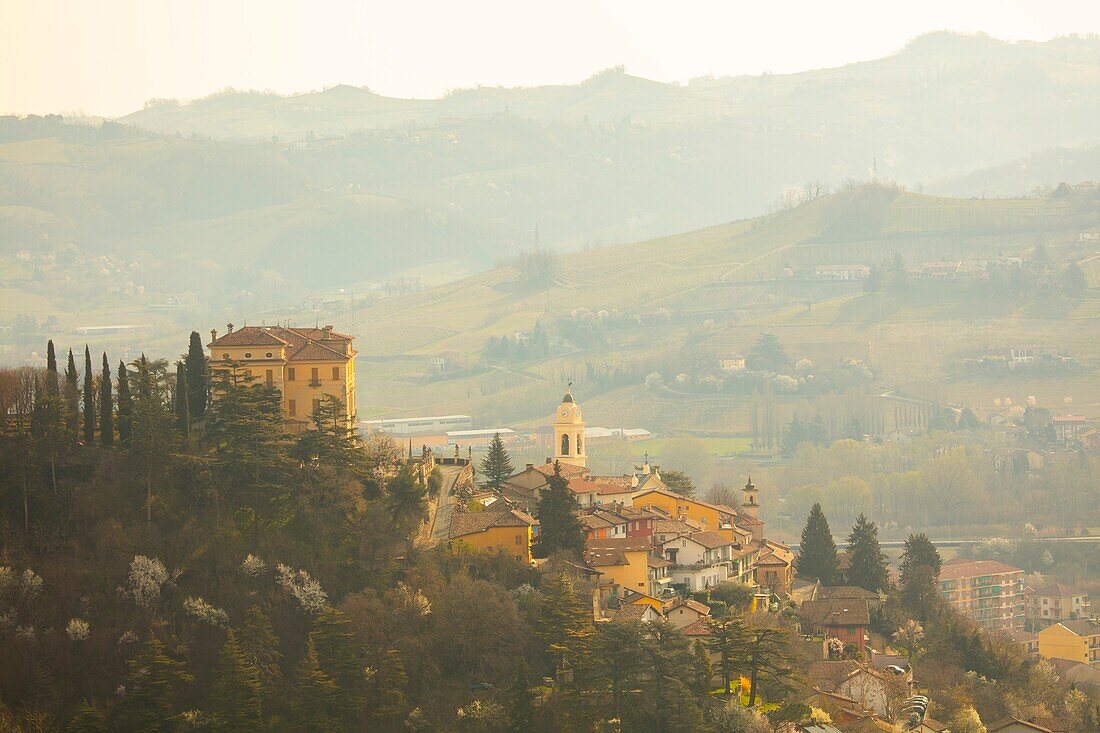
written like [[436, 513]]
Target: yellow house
[[622, 561], [1077, 641], [708, 516], [304, 364], [510, 531]]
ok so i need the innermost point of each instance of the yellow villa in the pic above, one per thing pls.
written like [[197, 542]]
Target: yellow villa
[[304, 364], [621, 561]]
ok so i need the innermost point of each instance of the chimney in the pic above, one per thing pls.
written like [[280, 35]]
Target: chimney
[[229, 328], [213, 334], [530, 466], [327, 332]]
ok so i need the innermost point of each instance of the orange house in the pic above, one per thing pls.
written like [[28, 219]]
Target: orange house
[[622, 562], [509, 531]]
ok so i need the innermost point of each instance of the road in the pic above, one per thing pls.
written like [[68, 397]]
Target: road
[[898, 544], [444, 504]]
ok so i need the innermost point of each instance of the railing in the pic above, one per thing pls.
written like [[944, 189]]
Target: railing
[[315, 383]]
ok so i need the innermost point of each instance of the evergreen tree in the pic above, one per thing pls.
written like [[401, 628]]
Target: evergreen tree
[[197, 377], [407, 500], [565, 622], [47, 430], [125, 407], [152, 437], [244, 424], [702, 671], [314, 696], [919, 576], [667, 703], [235, 697], [522, 709], [899, 275], [70, 400], [496, 466], [768, 354], [817, 550], [106, 406], [868, 562], [341, 658], [334, 440], [88, 719], [89, 399], [387, 691], [51, 388], [260, 644], [618, 661], [152, 690], [679, 482], [182, 405], [727, 639], [560, 530]]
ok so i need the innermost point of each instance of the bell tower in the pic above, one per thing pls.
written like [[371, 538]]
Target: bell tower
[[750, 505], [569, 431]]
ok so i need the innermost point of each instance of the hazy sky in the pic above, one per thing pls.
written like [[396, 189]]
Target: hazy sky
[[109, 56]]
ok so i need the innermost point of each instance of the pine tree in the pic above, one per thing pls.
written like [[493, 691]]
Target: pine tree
[[559, 528], [70, 401], [88, 719], [919, 576], [522, 702], [152, 687], [868, 562], [182, 405], [235, 696], [618, 661], [314, 696], [679, 482], [244, 424], [388, 680], [667, 703], [496, 466], [89, 399], [125, 407], [198, 386], [106, 406], [817, 550], [342, 659]]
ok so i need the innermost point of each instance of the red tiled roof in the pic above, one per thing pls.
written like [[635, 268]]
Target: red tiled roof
[[467, 523], [567, 469], [306, 344], [316, 351], [701, 627], [250, 336], [710, 540], [957, 569], [691, 603]]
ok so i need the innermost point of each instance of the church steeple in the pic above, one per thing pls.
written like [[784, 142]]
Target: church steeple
[[569, 440], [750, 505]]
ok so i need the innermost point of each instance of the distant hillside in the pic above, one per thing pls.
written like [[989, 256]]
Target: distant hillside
[[1041, 171], [679, 303]]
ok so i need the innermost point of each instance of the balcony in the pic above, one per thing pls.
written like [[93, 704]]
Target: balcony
[[315, 383]]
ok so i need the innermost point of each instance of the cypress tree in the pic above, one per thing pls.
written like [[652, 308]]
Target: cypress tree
[[560, 530], [89, 399], [496, 466], [71, 399], [817, 550], [152, 437], [106, 406], [197, 380], [182, 405], [236, 692], [868, 566], [125, 407]]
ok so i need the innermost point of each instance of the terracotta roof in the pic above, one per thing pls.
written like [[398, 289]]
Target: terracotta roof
[[316, 351], [836, 613], [676, 526], [467, 523], [1081, 627], [681, 497], [845, 593], [701, 627], [1009, 722], [1059, 590], [691, 603], [632, 612], [828, 675], [250, 336], [710, 540], [956, 570], [592, 521], [567, 469], [658, 562], [747, 521], [606, 552]]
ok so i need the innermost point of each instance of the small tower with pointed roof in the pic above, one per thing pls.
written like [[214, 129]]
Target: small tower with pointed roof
[[569, 431], [750, 505]]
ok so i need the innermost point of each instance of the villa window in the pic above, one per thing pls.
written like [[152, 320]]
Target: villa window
[[316, 406], [314, 377], [269, 355], [290, 374], [248, 354], [270, 378], [292, 407], [335, 373]]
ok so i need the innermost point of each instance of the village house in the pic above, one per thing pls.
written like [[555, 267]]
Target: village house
[[683, 612], [1055, 602], [1068, 427], [660, 576], [622, 562], [510, 531], [700, 561], [304, 364], [842, 272], [1077, 641], [842, 619]]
